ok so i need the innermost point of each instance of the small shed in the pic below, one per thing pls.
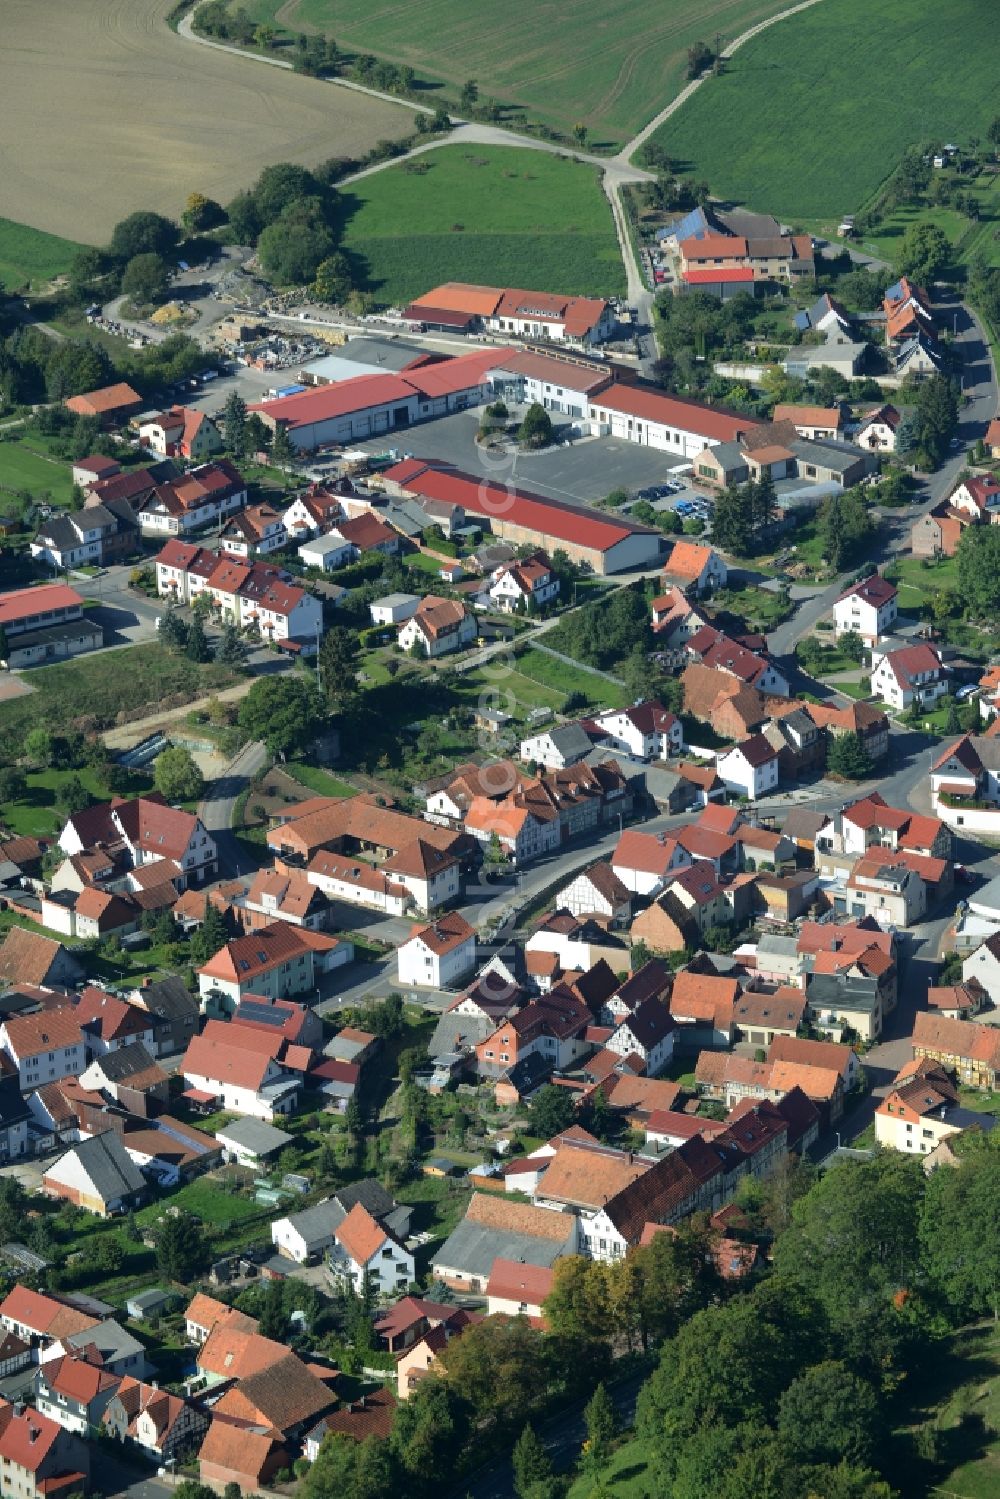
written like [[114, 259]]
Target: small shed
[[149, 1306], [252, 1141], [440, 1167]]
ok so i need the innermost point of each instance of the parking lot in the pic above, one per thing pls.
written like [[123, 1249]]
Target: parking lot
[[580, 471]]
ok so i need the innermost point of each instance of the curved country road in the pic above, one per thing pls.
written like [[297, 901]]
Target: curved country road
[[616, 171]]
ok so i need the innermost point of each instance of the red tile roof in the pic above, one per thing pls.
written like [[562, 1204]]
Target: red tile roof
[[653, 405], [108, 399], [562, 522], [723, 275], [23, 603], [512, 1280], [874, 590]]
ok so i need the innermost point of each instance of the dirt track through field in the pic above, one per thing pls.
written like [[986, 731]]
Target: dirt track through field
[[103, 110]]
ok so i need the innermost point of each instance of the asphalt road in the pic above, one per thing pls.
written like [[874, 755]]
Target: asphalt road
[[216, 811]]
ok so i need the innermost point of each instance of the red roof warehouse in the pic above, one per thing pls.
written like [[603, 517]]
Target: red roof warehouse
[[607, 545]]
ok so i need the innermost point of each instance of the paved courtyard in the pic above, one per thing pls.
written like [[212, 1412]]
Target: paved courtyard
[[580, 471]]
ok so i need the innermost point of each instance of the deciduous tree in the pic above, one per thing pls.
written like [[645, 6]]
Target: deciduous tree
[[177, 777], [286, 712], [145, 278]]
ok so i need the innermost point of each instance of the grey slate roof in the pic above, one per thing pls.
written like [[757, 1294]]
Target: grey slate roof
[[781, 947], [473, 1247], [836, 456], [321, 1221], [109, 1166], [318, 1222], [169, 999], [255, 1135], [118, 1066], [802, 822], [570, 739], [459, 1033], [112, 1341]]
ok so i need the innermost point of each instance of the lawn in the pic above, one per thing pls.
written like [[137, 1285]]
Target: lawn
[[99, 687], [207, 1200], [969, 237], [629, 1475], [761, 608], [23, 465], [610, 69], [553, 673], [29, 257], [963, 1406], [924, 575], [822, 119], [507, 690], [34, 815], [320, 781], [493, 215]]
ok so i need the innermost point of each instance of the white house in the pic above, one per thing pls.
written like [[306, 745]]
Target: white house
[[867, 608], [358, 884], [394, 608], [528, 585], [438, 956], [648, 1033], [44, 1047], [750, 769], [978, 497], [253, 532], [326, 552], [362, 1249], [252, 1142], [521, 834], [556, 748], [642, 860], [149, 831], [877, 432], [277, 961], [596, 891], [909, 674], [438, 626], [97, 1174], [237, 1068], [646, 731], [695, 567], [983, 965], [302, 1236]]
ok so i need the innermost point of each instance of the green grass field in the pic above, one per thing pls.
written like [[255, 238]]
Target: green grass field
[[611, 68], [554, 673], [29, 257], [628, 1475], [34, 815], [812, 116], [318, 780], [970, 238], [509, 691], [494, 215], [23, 465]]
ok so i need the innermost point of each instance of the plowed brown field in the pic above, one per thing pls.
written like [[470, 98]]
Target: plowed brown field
[[103, 110]]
